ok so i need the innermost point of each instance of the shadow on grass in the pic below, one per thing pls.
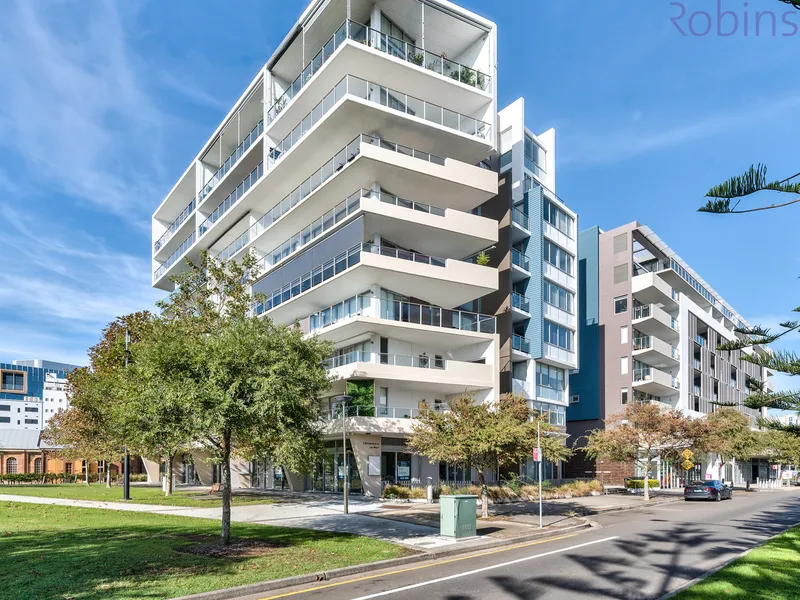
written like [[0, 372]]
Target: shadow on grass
[[60, 553]]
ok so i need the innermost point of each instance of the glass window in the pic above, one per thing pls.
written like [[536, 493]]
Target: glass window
[[620, 305], [558, 297], [558, 257], [557, 218], [624, 395], [557, 335], [535, 156], [550, 382]]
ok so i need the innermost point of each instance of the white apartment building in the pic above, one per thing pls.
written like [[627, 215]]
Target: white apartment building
[[352, 166], [31, 391]]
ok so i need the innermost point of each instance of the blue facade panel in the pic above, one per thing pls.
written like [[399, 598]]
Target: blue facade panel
[[587, 382], [34, 381]]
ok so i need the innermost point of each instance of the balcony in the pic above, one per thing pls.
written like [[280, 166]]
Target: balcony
[[520, 266], [445, 282], [520, 226], [697, 364], [247, 183], [365, 105], [653, 320], [430, 326], [559, 356], [650, 288], [237, 154], [354, 43], [174, 257], [160, 247], [700, 341], [520, 347], [414, 372], [655, 352], [520, 304], [651, 380]]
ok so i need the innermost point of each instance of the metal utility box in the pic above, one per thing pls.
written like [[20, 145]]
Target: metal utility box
[[457, 516]]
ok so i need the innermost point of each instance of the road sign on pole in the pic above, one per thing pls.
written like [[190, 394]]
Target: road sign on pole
[[687, 454]]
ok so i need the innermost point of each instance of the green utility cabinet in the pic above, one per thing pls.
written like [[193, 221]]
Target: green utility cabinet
[[457, 516]]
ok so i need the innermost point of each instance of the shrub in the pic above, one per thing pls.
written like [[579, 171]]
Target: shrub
[[638, 484], [139, 477], [396, 491], [418, 493]]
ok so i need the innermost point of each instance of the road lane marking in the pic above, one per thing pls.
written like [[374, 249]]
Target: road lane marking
[[482, 569], [418, 567]]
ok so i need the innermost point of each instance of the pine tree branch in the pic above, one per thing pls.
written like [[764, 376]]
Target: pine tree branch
[[752, 181]]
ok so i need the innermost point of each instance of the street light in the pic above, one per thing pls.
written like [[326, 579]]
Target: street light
[[126, 464], [343, 400]]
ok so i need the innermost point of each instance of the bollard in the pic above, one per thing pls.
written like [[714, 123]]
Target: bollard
[[430, 490]]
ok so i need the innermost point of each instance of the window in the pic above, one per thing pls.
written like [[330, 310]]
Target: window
[[558, 297], [621, 273], [5, 407], [557, 335], [535, 156], [11, 466], [620, 305], [575, 399], [558, 257], [68, 468], [37, 466], [12, 381], [31, 421], [557, 218], [623, 395], [556, 415], [620, 243], [5, 419], [32, 409], [383, 401], [550, 382], [623, 335], [623, 365]]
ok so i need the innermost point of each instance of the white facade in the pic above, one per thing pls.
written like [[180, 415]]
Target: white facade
[[544, 333], [350, 167], [54, 399]]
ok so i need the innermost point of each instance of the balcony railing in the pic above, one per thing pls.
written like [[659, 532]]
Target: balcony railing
[[701, 341], [384, 43], [395, 360], [520, 302], [232, 198], [179, 251], [646, 374], [384, 412], [333, 267], [520, 344], [642, 311], [378, 94], [404, 312], [403, 203], [645, 342], [520, 218], [697, 364], [520, 260], [435, 316], [231, 160], [175, 225]]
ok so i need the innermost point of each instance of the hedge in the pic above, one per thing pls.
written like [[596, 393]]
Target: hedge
[[638, 484]]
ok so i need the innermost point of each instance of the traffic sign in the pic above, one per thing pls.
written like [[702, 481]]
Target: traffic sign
[[687, 454], [537, 454], [687, 464]]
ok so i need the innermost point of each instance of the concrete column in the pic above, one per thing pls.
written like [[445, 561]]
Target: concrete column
[[365, 446], [296, 482]]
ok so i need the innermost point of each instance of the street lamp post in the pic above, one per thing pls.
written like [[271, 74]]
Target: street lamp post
[[343, 400], [126, 464]]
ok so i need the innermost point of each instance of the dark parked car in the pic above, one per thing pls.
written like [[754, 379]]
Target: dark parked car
[[711, 489]]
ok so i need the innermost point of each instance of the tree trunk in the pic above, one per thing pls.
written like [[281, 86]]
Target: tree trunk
[[226, 488], [646, 485], [170, 460], [87, 471], [484, 495]]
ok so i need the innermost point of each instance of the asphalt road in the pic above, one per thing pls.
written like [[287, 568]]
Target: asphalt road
[[634, 555]]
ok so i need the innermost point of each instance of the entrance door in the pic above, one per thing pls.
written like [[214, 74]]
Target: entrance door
[[754, 474]]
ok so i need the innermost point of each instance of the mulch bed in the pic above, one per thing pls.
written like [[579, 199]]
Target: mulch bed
[[237, 549]]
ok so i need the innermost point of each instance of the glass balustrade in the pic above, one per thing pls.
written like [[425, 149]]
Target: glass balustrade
[[520, 260], [421, 361], [231, 160], [175, 225], [232, 198], [521, 302], [384, 43], [520, 218], [185, 245], [520, 344]]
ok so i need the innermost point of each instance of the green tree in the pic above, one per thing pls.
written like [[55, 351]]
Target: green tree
[[253, 386], [727, 198], [727, 433], [485, 436], [641, 434]]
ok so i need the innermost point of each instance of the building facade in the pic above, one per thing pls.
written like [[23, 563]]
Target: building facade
[[649, 331], [536, 256], [352, 167], [31, 391]]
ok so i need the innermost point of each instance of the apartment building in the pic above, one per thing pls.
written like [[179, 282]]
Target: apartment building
[[536, 256], [31, 391], [649, 331], [352, 166]]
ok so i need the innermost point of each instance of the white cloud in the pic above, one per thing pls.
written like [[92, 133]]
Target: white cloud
[[587, 146]]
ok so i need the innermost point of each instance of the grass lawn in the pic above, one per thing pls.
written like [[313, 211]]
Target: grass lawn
[[139, 494], [66, 553], [770, 572]]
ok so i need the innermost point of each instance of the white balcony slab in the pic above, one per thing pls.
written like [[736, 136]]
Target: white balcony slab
[[454, 378]]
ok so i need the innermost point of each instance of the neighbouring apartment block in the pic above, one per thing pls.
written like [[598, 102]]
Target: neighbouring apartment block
[[31, 392], [649, 331]]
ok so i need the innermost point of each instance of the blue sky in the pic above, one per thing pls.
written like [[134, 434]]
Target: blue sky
[[105, 103]]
